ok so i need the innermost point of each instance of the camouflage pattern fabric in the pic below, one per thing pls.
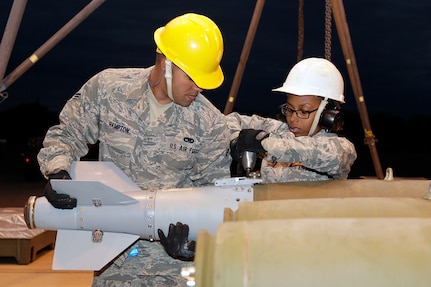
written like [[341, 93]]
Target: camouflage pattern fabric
[[323, 156], [183, 147], [143, 264]]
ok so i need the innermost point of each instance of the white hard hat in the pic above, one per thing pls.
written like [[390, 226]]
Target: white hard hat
[[314, 76]]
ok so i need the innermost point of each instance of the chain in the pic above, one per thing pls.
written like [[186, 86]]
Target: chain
[[300, 30], [328, 29]]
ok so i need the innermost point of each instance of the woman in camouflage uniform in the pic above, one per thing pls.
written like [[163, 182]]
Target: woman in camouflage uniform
[[303, 146]]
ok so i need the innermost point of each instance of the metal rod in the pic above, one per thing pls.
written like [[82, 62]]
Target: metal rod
[[347, 47], [10, 32], [244, 56], [50, 43]]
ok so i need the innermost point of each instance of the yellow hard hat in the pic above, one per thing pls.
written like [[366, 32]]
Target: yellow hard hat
[[194, 43]]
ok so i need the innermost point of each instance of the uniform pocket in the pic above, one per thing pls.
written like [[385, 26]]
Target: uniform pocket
[[180, 153]]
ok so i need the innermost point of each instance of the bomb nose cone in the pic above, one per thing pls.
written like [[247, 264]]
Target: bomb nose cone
[[29, 212]]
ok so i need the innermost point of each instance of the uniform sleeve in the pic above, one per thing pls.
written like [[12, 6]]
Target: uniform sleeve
[[236, 122], [213, 161], [324, 153], [78, 125]]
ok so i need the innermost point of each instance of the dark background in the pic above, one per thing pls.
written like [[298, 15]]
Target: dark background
[[391, 40]]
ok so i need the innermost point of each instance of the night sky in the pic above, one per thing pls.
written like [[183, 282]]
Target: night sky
[[391, 41]]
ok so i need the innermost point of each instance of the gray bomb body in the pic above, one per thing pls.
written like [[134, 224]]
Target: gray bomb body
[[139, 212], [119, 213]]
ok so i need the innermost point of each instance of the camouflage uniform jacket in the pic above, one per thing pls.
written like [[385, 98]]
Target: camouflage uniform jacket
[[183, 147], [320, 157]]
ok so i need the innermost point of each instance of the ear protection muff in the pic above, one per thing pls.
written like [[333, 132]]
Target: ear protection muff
[[331, 119]]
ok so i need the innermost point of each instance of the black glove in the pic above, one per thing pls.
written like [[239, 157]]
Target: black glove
[[58, 200], [177, 244], [235, 152], [251, 140]]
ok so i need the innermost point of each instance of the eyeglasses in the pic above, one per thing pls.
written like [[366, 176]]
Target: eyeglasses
[[288, 112]]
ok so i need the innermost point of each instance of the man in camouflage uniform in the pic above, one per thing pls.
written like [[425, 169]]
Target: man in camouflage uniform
[[156, 126], [304, 146]]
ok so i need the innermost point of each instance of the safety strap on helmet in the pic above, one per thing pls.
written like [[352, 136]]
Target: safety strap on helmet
[[168, 76], [319, 111]]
